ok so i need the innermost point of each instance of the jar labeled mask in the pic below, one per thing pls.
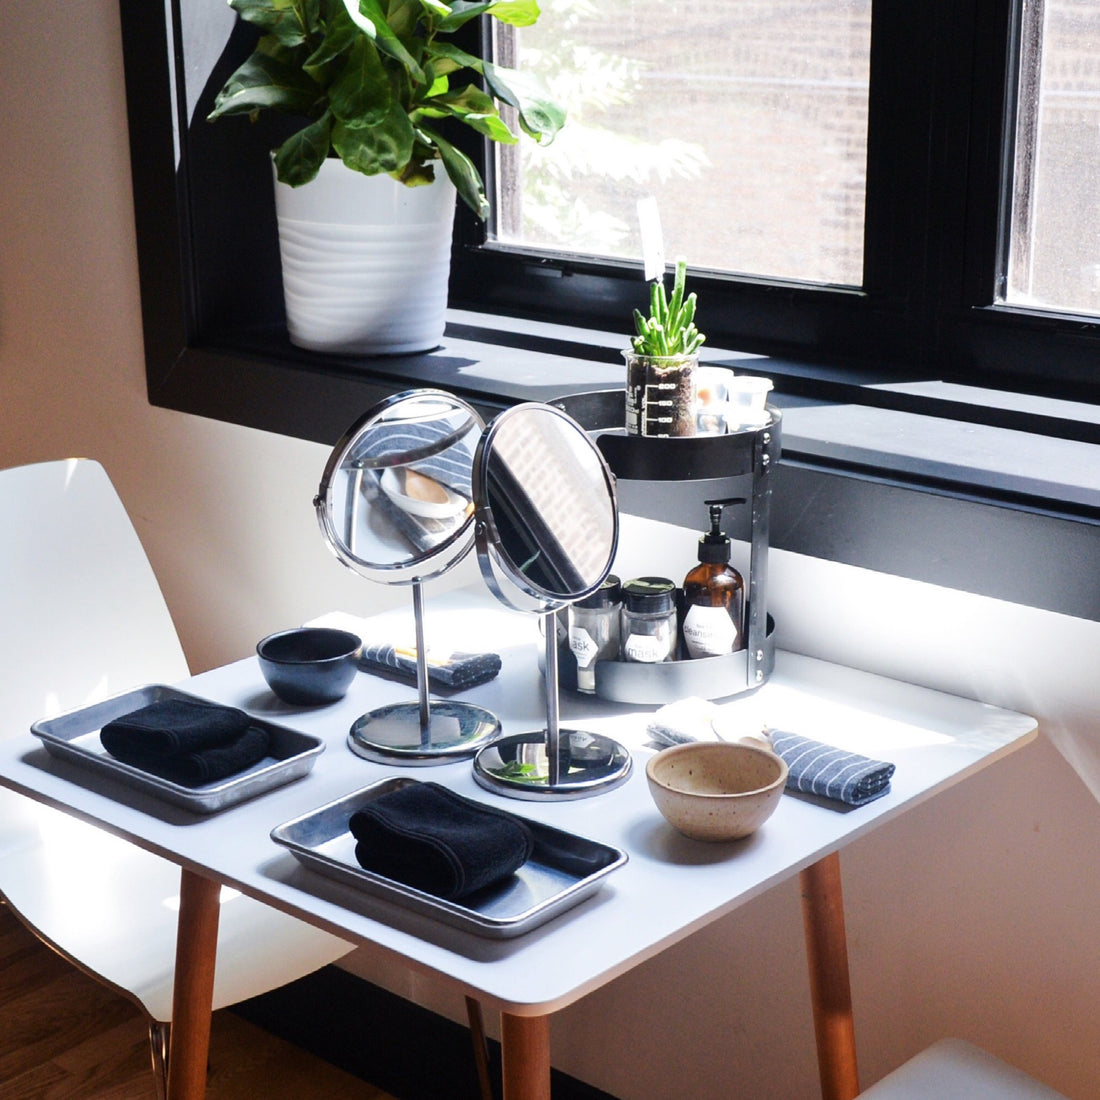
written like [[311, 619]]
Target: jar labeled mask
[[594, 631], [648, 621]]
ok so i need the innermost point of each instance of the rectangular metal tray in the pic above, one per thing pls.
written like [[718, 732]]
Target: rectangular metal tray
[[562, 871], [74, 736]]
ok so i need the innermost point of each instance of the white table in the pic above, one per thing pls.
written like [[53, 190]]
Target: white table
[[669, 889]]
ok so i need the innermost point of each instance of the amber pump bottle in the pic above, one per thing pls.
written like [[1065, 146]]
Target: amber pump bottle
[[714, 593]]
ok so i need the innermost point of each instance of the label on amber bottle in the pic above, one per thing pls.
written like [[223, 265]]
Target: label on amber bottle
[[710, 632]]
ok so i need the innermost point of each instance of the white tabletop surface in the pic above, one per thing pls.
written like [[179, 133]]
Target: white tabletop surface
[[669, 887]]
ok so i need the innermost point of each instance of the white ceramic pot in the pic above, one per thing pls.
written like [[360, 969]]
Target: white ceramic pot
[[365, 261]]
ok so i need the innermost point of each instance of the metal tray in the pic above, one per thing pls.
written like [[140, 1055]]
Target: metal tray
[[74, 736], [665, 682], [563, 870]]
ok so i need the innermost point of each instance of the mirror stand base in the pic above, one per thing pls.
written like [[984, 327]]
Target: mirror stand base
[[518, 766], [395, 734]]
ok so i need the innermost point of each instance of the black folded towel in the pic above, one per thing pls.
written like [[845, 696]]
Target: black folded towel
[[434, 840], [186, 741], [458, 672], [831, 772]]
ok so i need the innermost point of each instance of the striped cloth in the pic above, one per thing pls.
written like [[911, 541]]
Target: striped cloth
[[441, 448], [458, 672], [831, 772]]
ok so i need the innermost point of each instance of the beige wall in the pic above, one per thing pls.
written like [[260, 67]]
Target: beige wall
[[977, 914], [225, 512]]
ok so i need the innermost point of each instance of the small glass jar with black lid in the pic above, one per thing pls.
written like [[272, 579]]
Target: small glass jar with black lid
[[594, 631], [648, 620]]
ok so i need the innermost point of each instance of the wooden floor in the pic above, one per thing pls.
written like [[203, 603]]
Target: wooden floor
[[63, 1036]]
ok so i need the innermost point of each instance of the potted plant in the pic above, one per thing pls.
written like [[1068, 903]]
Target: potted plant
[[373, 81], [662, 360]]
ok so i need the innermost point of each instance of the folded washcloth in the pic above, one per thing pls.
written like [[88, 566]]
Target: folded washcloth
[[434, 840], [831, 772], [186, 741], [174, 725], [689, 719], [457, 672]]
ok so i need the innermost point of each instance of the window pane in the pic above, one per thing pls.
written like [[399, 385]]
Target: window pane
[[1054, 248], [747, 119]]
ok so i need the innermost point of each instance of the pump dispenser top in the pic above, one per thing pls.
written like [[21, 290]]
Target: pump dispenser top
[[714, 546], [714, 593]]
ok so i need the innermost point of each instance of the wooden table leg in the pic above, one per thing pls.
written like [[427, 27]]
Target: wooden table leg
[[525, 1056], [193, 993], [830, 986], [481, 1047]]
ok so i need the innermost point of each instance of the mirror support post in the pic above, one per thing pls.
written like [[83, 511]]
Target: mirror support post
[[421, 664], [553, 731]]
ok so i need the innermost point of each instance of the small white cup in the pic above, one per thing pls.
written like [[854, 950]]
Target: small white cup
[[712, 387], [748, 398]]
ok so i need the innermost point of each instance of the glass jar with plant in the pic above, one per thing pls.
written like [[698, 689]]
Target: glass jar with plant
[[662, 360]]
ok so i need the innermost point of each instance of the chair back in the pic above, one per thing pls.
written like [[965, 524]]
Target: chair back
[[81, 614]]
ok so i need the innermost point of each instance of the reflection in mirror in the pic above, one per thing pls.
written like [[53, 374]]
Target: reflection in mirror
[[396, 500], [547, 530], [396, 505], [547, 514]]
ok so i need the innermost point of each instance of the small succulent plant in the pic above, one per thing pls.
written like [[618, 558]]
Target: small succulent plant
[[669, 330]]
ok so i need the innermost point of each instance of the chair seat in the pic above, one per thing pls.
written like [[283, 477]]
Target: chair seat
[[111, 908], [953, 1069]]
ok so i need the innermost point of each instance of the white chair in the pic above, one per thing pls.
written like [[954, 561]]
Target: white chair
[[953, 1069], [81, 618]]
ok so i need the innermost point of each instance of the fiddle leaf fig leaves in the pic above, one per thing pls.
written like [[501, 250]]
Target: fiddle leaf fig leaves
[[519, 13], [368, 77], [385, 146], [464, 175], [369, 17], [266, 80], [361, 95], [476, 109], [299, 158], [283, 19], [540, 117]]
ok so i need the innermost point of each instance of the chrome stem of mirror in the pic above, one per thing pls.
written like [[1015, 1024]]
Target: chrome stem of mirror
[[546, 531], [395, 505]]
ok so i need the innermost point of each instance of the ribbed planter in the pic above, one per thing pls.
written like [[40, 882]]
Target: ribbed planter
[[365, 261]]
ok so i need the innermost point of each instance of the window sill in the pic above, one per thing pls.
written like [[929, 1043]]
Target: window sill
[[980, 490]]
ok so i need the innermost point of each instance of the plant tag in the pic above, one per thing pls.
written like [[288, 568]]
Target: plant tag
[[653, 247]]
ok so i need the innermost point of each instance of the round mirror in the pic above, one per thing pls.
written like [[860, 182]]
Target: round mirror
[[396, 501], [547, 527], [395, 504], [547, 521]]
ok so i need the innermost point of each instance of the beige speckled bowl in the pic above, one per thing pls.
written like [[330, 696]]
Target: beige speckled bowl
[[712, 790]]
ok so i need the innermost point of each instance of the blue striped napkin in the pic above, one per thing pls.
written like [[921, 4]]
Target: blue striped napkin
[[457, 672], [831, 772]]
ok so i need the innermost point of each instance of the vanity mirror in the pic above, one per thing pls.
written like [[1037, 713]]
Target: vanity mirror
[[546, 531], [395, 504]]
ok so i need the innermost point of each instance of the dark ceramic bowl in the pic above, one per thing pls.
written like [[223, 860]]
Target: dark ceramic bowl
[[310, 665]]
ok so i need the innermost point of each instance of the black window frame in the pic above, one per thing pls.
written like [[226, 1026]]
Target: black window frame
[[934, 238], [942, 73], [887, 347]]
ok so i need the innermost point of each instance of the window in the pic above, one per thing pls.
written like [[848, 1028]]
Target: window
[[898, 248], [841, 183], [941, 82], [1054, 249], [747, 121]]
